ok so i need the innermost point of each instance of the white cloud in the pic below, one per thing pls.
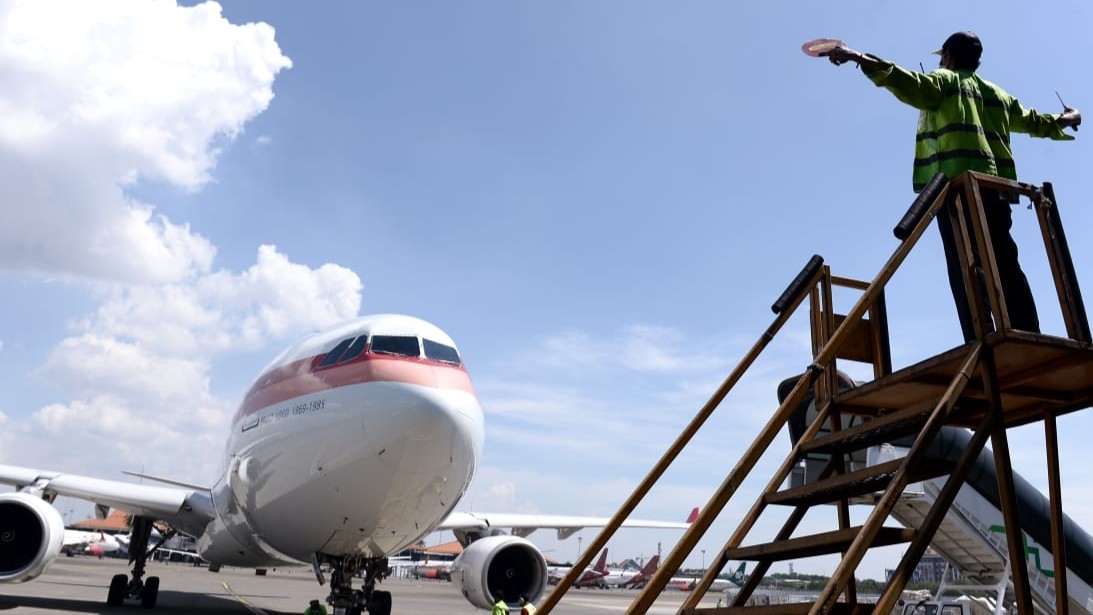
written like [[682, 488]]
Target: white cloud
[[276, 296], [138, 369], [92, 97], [639, 348], [113, 91]]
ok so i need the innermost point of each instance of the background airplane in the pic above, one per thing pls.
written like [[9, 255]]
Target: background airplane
[[638, 580], [719, 584], [349, 447], [432, 570], [90, 543], [623, 577], [592, 577]]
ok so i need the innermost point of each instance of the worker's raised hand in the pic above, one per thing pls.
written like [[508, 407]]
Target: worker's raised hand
[[1070, 117], [841, 55]]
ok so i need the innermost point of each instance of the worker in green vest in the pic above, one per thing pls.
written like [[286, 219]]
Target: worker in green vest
[[965, 125], [499, 606]]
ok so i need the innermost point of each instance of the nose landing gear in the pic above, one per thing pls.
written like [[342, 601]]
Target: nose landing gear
[[348, 601]]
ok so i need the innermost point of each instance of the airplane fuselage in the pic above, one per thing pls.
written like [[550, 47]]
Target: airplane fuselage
[[359, 456]]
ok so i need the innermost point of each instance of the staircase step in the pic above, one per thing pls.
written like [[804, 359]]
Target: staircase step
[[817, 544], [793, 608], [861, 482], [876, 431]]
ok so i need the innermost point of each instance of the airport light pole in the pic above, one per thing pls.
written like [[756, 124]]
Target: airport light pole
[[703, 561], [578, 547]]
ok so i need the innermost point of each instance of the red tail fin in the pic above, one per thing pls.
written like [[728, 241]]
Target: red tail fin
[[694, 515], [601, 564], [651, 566]]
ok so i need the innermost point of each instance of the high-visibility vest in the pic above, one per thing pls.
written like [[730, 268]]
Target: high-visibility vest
[[965, 121]]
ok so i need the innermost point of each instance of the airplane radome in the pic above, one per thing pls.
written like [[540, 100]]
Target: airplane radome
[[352, 445]]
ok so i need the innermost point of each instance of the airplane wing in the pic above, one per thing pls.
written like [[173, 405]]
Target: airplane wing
[[178, 506], [524, 524]]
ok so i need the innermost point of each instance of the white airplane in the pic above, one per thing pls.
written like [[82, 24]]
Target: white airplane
[[618, 577], [92, 543], [592, 577], [689, 583], [351, 446], [125, 539], [637, 580]]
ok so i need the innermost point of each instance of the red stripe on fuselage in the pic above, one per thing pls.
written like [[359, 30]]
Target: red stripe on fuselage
[[303, 377]]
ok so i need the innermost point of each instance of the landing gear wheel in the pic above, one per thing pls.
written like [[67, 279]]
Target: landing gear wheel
[[133, 586], [381, 603], [150, 593], [119, 585], [343, 599]]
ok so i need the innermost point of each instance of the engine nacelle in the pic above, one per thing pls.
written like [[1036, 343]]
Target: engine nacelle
[[31, 533], [500, 565]]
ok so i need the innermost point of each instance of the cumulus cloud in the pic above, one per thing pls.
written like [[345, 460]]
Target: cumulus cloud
[[117, 90], [139, 367]]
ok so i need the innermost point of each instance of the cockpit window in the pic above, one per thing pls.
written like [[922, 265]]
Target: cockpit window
[[355, 350], [439, 352], [335, 353], [400, 345]]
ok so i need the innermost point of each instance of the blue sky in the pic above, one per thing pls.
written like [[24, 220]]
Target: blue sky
[[598, 200]]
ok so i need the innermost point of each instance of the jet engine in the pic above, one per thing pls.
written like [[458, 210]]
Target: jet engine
[[505, 566], [31, 532]]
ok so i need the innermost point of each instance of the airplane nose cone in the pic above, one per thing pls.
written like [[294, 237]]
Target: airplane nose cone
[[384, 466], [424, 422], [422, 452]]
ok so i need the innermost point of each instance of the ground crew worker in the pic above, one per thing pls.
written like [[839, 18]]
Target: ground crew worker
[[499, 606], [526, 607], [965, 125], [315, 608]]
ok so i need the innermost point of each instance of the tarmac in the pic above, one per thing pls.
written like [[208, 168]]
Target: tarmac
[[79, 584]]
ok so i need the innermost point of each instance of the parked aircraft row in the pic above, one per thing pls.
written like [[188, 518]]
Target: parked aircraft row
[[370, 430], [601, 576]]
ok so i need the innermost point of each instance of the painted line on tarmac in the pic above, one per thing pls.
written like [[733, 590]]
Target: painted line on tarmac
[[250, 607]]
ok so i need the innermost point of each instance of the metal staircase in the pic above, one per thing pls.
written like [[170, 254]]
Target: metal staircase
[[1001, 379]]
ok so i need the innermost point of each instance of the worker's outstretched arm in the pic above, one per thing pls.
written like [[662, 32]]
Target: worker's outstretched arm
[[1049, 125], [916, 89], [841, 55]]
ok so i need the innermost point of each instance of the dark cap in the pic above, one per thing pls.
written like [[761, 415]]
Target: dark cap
[[962, 44]]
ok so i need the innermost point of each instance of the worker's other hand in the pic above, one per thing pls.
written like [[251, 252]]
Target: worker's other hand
[[841, 55], [1070, 117]]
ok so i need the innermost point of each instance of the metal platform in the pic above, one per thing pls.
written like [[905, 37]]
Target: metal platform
[[1036, 374]]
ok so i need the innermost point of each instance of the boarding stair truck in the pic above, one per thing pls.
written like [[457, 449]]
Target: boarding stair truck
[[971, 537]]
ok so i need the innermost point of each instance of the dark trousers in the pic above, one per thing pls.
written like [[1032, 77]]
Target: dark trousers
[[1015, 288]]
